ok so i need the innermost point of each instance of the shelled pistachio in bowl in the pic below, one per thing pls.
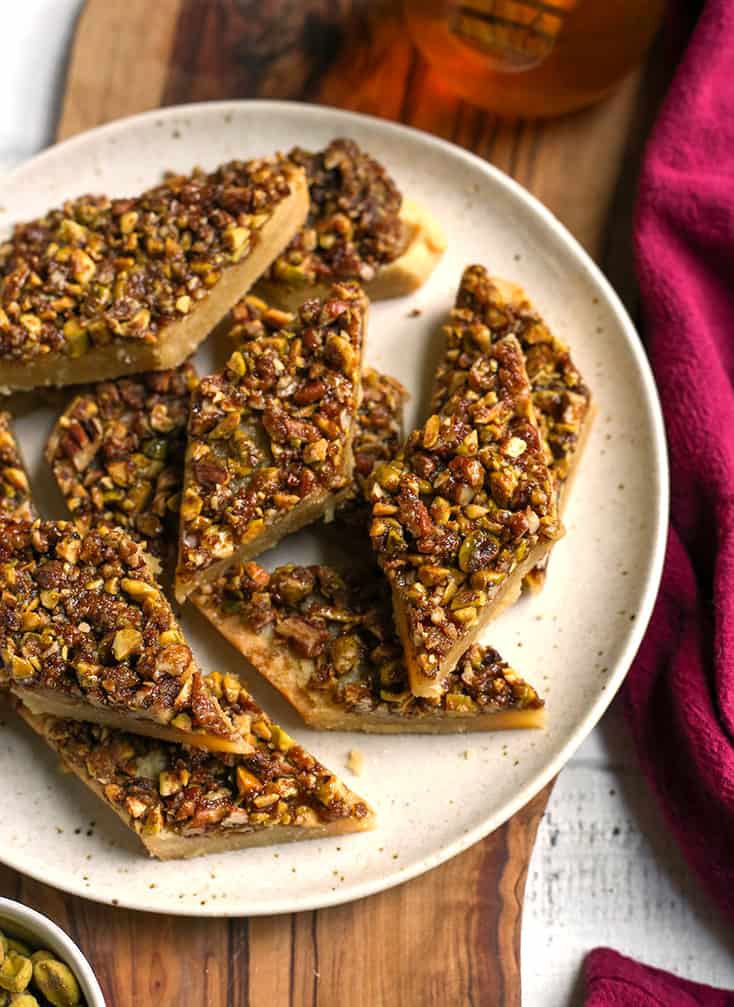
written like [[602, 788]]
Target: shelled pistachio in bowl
[[40, 966]]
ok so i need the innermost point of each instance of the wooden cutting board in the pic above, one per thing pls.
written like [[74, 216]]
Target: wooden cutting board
[[452, 937]]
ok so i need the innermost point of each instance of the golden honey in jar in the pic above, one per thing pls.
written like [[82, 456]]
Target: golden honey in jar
[[533, 57]]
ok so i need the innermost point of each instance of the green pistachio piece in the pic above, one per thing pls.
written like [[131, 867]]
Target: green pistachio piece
[[156, 449], [456, 703], [57, 983], [41, 956], [22, 1000], [280, 738], [15, 972], [18, 946]]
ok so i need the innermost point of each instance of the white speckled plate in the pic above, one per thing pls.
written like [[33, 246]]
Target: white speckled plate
[[575, 641]]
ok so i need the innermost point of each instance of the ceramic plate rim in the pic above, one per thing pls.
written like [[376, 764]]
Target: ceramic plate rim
[[649, 584]]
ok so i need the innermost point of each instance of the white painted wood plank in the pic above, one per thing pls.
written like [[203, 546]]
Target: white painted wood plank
[[605, 872]]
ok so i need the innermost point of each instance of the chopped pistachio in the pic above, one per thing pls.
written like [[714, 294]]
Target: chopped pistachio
[[126, 642], [15, 972]]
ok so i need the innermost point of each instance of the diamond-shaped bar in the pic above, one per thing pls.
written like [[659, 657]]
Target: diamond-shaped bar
[[86, 633], [270, 436], [328, 644], [184, 802], [465, 510], [564, 406]]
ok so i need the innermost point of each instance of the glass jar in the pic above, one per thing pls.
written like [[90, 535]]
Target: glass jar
[[533, 58]]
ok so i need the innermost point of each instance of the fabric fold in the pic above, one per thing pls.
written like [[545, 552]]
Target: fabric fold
[[679, 695], [612, 980]]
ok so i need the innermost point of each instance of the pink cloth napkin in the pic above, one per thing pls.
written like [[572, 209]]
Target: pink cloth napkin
[[679, 695], [615, 981], [680, 692]]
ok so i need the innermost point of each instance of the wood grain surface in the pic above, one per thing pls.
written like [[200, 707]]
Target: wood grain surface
[[452, 937]]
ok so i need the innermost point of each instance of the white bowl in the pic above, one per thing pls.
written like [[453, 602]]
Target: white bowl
[[32, 928]]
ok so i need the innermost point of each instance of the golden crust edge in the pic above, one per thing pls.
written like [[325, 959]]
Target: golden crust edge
[[530, 584], [171, 846], [581, 445], [423, 253], [39, 703]]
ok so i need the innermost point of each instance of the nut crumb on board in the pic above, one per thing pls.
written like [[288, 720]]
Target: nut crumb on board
[[355, 762]]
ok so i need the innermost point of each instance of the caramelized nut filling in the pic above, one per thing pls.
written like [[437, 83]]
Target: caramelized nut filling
[[117, 454], [466, 501], [378, 436], [163, 786], [560, 396], [343, 628], [15, 491], [274, 429], [82, 619], [353, 225]]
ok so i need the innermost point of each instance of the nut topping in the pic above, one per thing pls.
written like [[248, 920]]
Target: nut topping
[[353, 226], [15, 491], [117, 455], [560, 397], [562, 401], [162, 787], [377, 438], [462, 497], [270, 435], [83, 623], [338, 633]]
